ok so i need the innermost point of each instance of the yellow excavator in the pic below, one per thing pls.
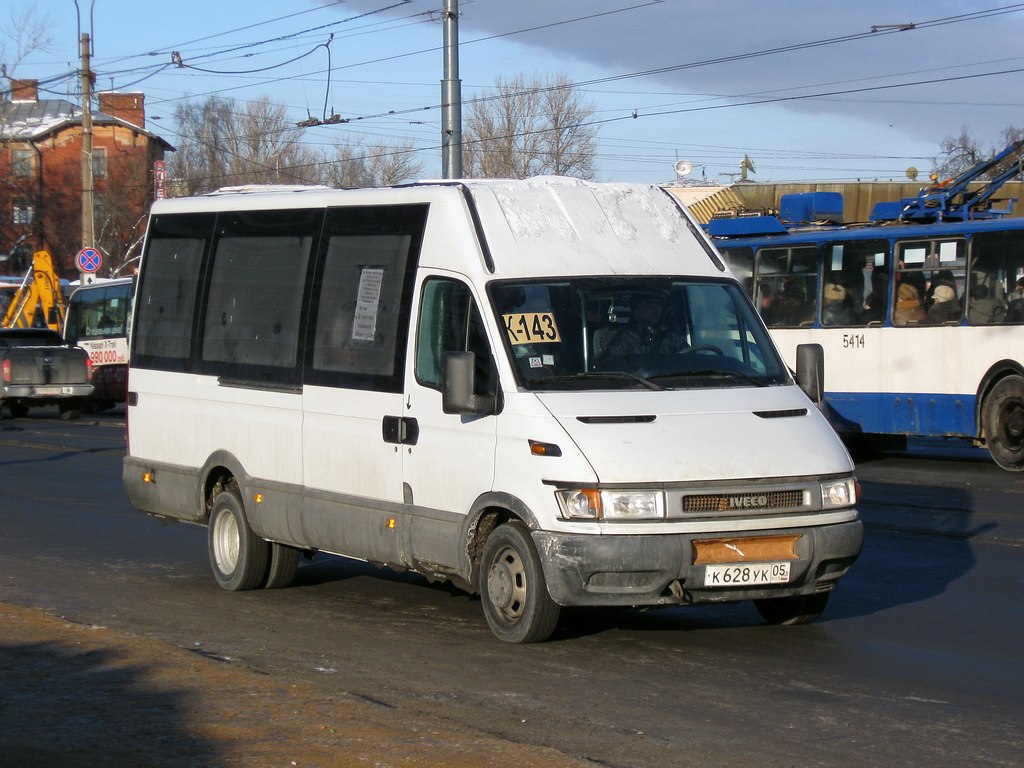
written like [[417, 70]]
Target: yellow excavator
[[38, 300]]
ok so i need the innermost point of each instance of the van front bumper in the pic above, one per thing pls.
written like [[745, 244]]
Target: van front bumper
[[622, 570]]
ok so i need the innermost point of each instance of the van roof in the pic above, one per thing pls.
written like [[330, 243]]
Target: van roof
[[546, 225]]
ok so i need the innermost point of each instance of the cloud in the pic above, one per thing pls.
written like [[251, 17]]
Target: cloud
[[815, 63]]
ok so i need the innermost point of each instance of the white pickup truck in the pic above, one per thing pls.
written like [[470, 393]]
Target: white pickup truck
[[38, 368]]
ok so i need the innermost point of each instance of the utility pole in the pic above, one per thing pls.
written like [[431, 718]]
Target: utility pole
[[451, 96], [88, 231]]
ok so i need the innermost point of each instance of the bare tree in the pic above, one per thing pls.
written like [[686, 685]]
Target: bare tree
[[222, 144], [27, 31], [957, 154], [540, 125], [570, 143], [960, 153], [393, 164], [356, 165]]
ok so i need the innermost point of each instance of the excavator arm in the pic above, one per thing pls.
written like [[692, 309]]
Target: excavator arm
[[39, 292]]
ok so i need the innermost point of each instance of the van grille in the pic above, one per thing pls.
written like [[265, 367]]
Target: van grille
[[735, 502]]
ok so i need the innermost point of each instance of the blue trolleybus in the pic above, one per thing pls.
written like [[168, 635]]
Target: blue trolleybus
[[919, 311]]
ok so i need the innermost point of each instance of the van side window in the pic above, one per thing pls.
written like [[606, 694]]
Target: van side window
[[450, 322], [254, 305], [361, 313], [162, 337]]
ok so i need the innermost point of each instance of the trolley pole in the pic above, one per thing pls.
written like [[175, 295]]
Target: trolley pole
[[451, 96], [88, 225]]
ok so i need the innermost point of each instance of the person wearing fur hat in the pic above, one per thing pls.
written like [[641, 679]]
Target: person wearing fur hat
[[835, 307], [909, 308], [946, 308]]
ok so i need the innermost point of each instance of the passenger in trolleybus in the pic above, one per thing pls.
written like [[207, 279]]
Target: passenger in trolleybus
[[909, 308]]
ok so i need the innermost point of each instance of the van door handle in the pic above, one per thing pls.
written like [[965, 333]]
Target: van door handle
[[401, 430]]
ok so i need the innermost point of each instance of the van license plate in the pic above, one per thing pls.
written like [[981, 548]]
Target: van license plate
[[745, 574]]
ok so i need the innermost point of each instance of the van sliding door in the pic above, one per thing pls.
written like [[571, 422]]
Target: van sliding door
[[352, 385]]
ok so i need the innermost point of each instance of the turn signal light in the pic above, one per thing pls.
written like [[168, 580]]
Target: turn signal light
[[538, 448]]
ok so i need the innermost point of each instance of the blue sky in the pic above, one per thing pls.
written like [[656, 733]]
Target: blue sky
[[804, 87]]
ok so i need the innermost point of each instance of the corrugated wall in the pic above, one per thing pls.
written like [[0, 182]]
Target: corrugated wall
[[858, 197]]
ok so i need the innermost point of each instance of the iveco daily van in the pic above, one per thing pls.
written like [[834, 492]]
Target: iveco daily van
[[549, 392]]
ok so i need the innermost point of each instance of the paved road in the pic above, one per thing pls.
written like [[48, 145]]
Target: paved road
[[916, 662]]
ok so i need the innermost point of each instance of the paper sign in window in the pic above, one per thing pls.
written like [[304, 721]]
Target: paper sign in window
[[364, 324], [947, 252], [914, 255], [531, 327]]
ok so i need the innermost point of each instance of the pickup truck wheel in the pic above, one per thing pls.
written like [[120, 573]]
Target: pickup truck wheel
[[238, 556], [18, 410], [515, 598], [70, 409], [284, 563], [799, 609]]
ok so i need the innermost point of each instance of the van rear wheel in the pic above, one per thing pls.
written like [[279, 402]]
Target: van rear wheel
[[238, 556], [515, 598], [284, 564]]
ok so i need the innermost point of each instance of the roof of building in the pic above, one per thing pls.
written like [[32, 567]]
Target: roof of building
[[33, 120]]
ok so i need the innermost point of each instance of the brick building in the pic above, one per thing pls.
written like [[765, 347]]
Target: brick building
[[41, 176]]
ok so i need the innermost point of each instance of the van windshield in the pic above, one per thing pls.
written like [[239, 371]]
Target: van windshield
[[628, 333]]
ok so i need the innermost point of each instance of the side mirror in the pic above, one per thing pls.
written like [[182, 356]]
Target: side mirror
[[458, 384], [810, 370]]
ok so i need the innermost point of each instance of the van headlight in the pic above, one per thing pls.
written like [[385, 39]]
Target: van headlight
[[595, 504], [839, 493]]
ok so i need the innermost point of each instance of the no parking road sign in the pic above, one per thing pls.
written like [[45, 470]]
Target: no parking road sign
[[89, 260]]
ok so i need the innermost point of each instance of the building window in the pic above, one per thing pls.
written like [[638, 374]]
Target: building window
[[24, 211], [21, 163], [99, 162]]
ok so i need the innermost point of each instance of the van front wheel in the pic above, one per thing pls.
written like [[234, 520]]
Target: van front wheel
[[238, 556], [799, 609], [515, 598]]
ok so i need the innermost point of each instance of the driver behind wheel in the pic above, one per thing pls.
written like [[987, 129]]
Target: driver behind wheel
[[645, 332]]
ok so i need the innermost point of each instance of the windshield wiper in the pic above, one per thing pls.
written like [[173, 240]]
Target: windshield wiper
[[620, 375], [711, 372]]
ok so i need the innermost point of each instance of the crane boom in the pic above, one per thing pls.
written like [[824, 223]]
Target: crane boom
[[39, 292]]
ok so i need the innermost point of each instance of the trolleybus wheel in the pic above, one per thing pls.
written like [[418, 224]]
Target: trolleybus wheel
[[1002, 418]]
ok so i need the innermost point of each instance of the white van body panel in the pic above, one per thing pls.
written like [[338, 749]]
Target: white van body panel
[[707, 435], [342, 450], [192, 416]]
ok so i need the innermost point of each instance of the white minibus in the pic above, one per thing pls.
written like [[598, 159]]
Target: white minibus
[[549, 392]]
